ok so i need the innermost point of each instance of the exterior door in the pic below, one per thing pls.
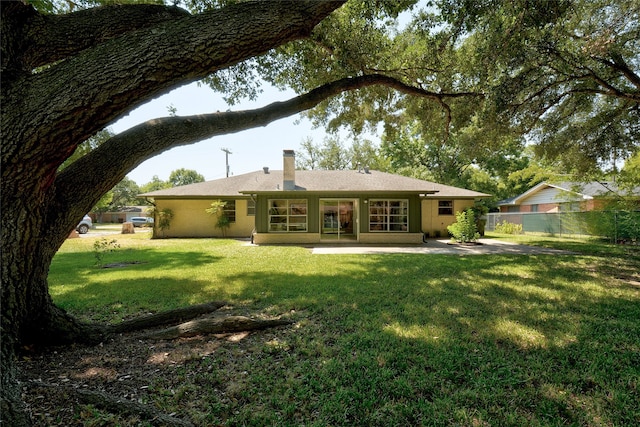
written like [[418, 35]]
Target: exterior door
[[338, 219]]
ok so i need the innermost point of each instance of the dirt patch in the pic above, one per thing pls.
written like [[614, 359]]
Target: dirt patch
[[129, 368]]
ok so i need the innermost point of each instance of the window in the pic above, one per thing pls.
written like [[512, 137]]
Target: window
[[445, 207], [388, 215], [569, 207], [287, 215], [251, 207], [230, 210]]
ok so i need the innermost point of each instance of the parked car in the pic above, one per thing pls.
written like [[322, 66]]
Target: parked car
[[141, 221], [84, 225]]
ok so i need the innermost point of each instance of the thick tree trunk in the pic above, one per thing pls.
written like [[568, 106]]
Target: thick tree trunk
[[28, 313], [92, 68], [12, 408]]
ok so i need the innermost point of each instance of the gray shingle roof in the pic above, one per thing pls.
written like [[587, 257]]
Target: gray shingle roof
[[584, 189], [594, 188], [345, 181]]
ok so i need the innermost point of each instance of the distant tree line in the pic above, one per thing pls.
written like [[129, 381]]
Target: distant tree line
[[126, 192], [501, 173]]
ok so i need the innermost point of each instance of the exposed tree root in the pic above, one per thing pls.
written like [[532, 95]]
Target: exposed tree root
[[116, 405], [215, 326], [166, 317], [120, 406], [192, 327]]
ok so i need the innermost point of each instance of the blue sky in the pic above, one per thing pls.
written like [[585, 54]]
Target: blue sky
[[251, 150]]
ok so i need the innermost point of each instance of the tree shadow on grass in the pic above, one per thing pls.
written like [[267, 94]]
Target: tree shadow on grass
[[154, 283], [411, 340], [154, 259], [444, 339]]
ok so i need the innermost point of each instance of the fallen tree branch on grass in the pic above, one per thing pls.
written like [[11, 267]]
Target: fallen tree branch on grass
[[215, 326], [166, 317], [121, 406]]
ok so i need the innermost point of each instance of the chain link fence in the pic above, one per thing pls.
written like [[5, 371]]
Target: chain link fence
[[621, 226]]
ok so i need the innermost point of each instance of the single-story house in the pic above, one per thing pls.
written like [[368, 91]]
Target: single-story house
[[304, 207], [561, 197]]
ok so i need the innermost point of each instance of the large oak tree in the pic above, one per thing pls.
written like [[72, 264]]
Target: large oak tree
[[66, 77]]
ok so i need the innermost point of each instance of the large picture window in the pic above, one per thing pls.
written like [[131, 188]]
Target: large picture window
[[388, 215], [287, 215]]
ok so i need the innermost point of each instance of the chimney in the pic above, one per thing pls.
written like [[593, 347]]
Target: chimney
[[289, 170]]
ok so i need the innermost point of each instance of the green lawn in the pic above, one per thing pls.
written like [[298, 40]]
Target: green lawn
[[385, 340]]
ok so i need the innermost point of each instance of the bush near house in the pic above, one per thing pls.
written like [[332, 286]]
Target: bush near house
[[464, 230], [506, 227], [217, 210]]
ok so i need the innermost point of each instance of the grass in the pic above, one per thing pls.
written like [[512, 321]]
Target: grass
[[385, 340]]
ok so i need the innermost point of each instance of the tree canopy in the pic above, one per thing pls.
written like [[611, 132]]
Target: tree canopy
[[560, 76], [564, 73], [184, 176]]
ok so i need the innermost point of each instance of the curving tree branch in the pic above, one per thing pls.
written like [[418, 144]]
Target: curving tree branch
[[53, 111], [51, 38], [109, 163]]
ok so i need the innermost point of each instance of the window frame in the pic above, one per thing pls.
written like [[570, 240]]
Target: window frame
[[388, 218], [251, 207], [230, 213], [445, 207], [288, 216]]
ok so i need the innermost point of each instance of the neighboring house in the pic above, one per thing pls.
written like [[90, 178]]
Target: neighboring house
[[123, 214], [562, 197], [303, 207], [567, 208]]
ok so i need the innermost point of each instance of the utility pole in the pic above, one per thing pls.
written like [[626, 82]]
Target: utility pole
[[227, 152]]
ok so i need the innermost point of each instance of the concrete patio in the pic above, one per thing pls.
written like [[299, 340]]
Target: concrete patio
[[441, 246]]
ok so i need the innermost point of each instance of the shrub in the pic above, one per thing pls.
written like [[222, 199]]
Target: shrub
[[464, 229], [508, 228], [164, 218], [615, 225], [217, 210], [103, 246]]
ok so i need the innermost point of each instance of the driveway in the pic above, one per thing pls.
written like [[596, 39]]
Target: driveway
[[110, 231], [441, 246]]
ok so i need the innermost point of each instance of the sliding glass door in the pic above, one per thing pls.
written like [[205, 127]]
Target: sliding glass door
[[338, 219]]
